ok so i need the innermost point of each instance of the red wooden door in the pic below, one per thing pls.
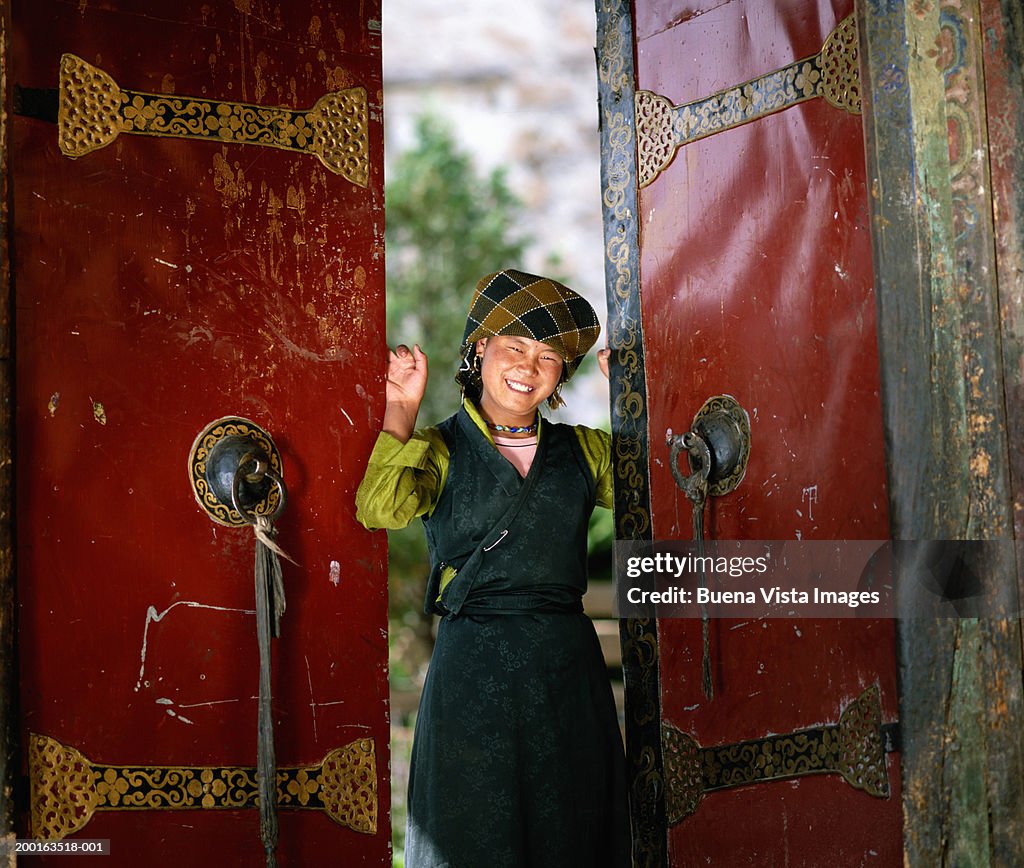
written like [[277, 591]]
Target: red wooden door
[[164, 283], [756, 282]]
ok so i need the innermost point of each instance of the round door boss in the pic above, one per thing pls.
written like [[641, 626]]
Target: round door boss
[[235, 472]]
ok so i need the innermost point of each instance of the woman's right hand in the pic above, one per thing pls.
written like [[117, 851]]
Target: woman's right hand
[[407, 375], [406, 383]]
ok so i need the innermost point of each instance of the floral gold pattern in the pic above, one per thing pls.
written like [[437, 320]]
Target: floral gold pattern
[[348, 786], [94, 110], [852, 749], [832, 74], [64, 791], [67, 788], [199, 455]]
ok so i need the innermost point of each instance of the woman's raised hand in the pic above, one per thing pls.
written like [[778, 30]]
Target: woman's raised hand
[[407, 374], [406, 383]]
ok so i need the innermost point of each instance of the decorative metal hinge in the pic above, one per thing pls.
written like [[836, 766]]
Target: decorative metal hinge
[[93, 110], [832, 74], [66, 788], [854, 749]]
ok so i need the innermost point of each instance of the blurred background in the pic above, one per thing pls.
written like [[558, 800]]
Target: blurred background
[[491, 161]]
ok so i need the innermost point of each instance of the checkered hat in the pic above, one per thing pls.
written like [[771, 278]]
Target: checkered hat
[[524, 305]]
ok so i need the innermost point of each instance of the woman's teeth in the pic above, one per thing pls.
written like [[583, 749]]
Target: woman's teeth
[[518, 387]]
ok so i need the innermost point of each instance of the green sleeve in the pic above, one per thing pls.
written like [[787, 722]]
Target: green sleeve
[[402, 481], [597, 449]]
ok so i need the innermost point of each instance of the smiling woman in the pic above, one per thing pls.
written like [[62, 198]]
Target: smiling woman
[[517, 758]]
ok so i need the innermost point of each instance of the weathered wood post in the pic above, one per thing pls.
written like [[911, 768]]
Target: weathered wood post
[[944, 111]]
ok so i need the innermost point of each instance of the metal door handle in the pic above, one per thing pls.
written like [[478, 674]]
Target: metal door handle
[[718, 448], [235, 470], [253, 468], [698, 453]]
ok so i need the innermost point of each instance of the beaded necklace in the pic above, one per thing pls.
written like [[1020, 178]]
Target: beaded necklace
[[513, 429]]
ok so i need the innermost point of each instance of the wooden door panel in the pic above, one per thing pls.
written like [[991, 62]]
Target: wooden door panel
[[756, 245], [163, 283], [756, 282]]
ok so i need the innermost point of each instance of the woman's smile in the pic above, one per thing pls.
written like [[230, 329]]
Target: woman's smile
[[516, 386]]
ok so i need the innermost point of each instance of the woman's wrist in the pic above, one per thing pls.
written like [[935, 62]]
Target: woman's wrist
[[400, 420]]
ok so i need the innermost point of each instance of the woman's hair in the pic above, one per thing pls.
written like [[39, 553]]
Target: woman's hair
[[468, 374]]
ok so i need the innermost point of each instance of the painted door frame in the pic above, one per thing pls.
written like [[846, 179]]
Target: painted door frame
[[941, 163], [941, 133]]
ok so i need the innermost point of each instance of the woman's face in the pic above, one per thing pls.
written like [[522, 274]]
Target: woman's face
[[518, 376]]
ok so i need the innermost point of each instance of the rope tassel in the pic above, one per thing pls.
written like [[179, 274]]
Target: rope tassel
[[270, 606], [235, 470], [696, 488], [268, 565]]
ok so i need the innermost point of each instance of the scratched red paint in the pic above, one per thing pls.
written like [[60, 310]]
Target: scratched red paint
[[163, 284]]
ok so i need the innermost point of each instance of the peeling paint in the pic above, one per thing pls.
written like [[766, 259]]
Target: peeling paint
[[980, 423], [54, 401], [98, 413], [810, 494], [262, 62], [340, 78], [153, 617], [230, 183], [296, 199], [176, 716], [335, 569]]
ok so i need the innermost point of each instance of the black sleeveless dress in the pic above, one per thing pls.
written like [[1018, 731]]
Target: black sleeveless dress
[[517, 758]]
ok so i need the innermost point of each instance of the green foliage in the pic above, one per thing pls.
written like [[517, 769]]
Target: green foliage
[[447, 226]]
